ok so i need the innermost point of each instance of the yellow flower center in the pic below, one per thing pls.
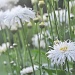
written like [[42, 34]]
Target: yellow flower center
[[64, 48]]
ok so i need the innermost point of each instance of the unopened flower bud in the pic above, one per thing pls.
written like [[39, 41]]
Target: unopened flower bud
[[12, 62], [41, 3], [29, 25], [36, 19], [5, 63], [11, 47], [13, 29], [42, 25], [14, 44]]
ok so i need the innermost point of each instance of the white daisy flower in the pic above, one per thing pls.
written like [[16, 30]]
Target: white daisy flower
[[40, 37], [61, 51], [28, 70], [12, 17], [35, 42]]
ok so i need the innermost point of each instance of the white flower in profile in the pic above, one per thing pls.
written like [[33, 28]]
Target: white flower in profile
[[61, 52], [14, 15], [35, 42], [28, 70], [40, 37]]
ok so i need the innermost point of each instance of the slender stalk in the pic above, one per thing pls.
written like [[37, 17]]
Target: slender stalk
[[5, 32], [67, 64], [31, 60], [27, 48], [23, 37], [39, 36], [69, 21], [39, 53], [55, 20], [35, 7], [50, 28]]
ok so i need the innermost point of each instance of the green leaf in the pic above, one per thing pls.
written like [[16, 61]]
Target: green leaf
[[56, 72]]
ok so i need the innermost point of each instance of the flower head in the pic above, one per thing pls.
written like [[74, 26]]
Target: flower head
[[61, 51], [40, 37], [18, 14], [28, 70]]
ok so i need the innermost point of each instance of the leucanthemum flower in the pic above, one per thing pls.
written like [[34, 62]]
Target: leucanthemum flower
[[28, 70], [61, 51], [40, 37], [14, 15]]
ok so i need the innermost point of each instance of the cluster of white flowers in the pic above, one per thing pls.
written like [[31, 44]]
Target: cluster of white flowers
[[40, 37], [61, 16], [61, 51], [4, 47], [28, 70], [11, 18]]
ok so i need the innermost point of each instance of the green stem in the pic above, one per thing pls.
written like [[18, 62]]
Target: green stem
[[31, 60], [5, 35], [55, 20], [67, 64], [69, 21], [50, 23]]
